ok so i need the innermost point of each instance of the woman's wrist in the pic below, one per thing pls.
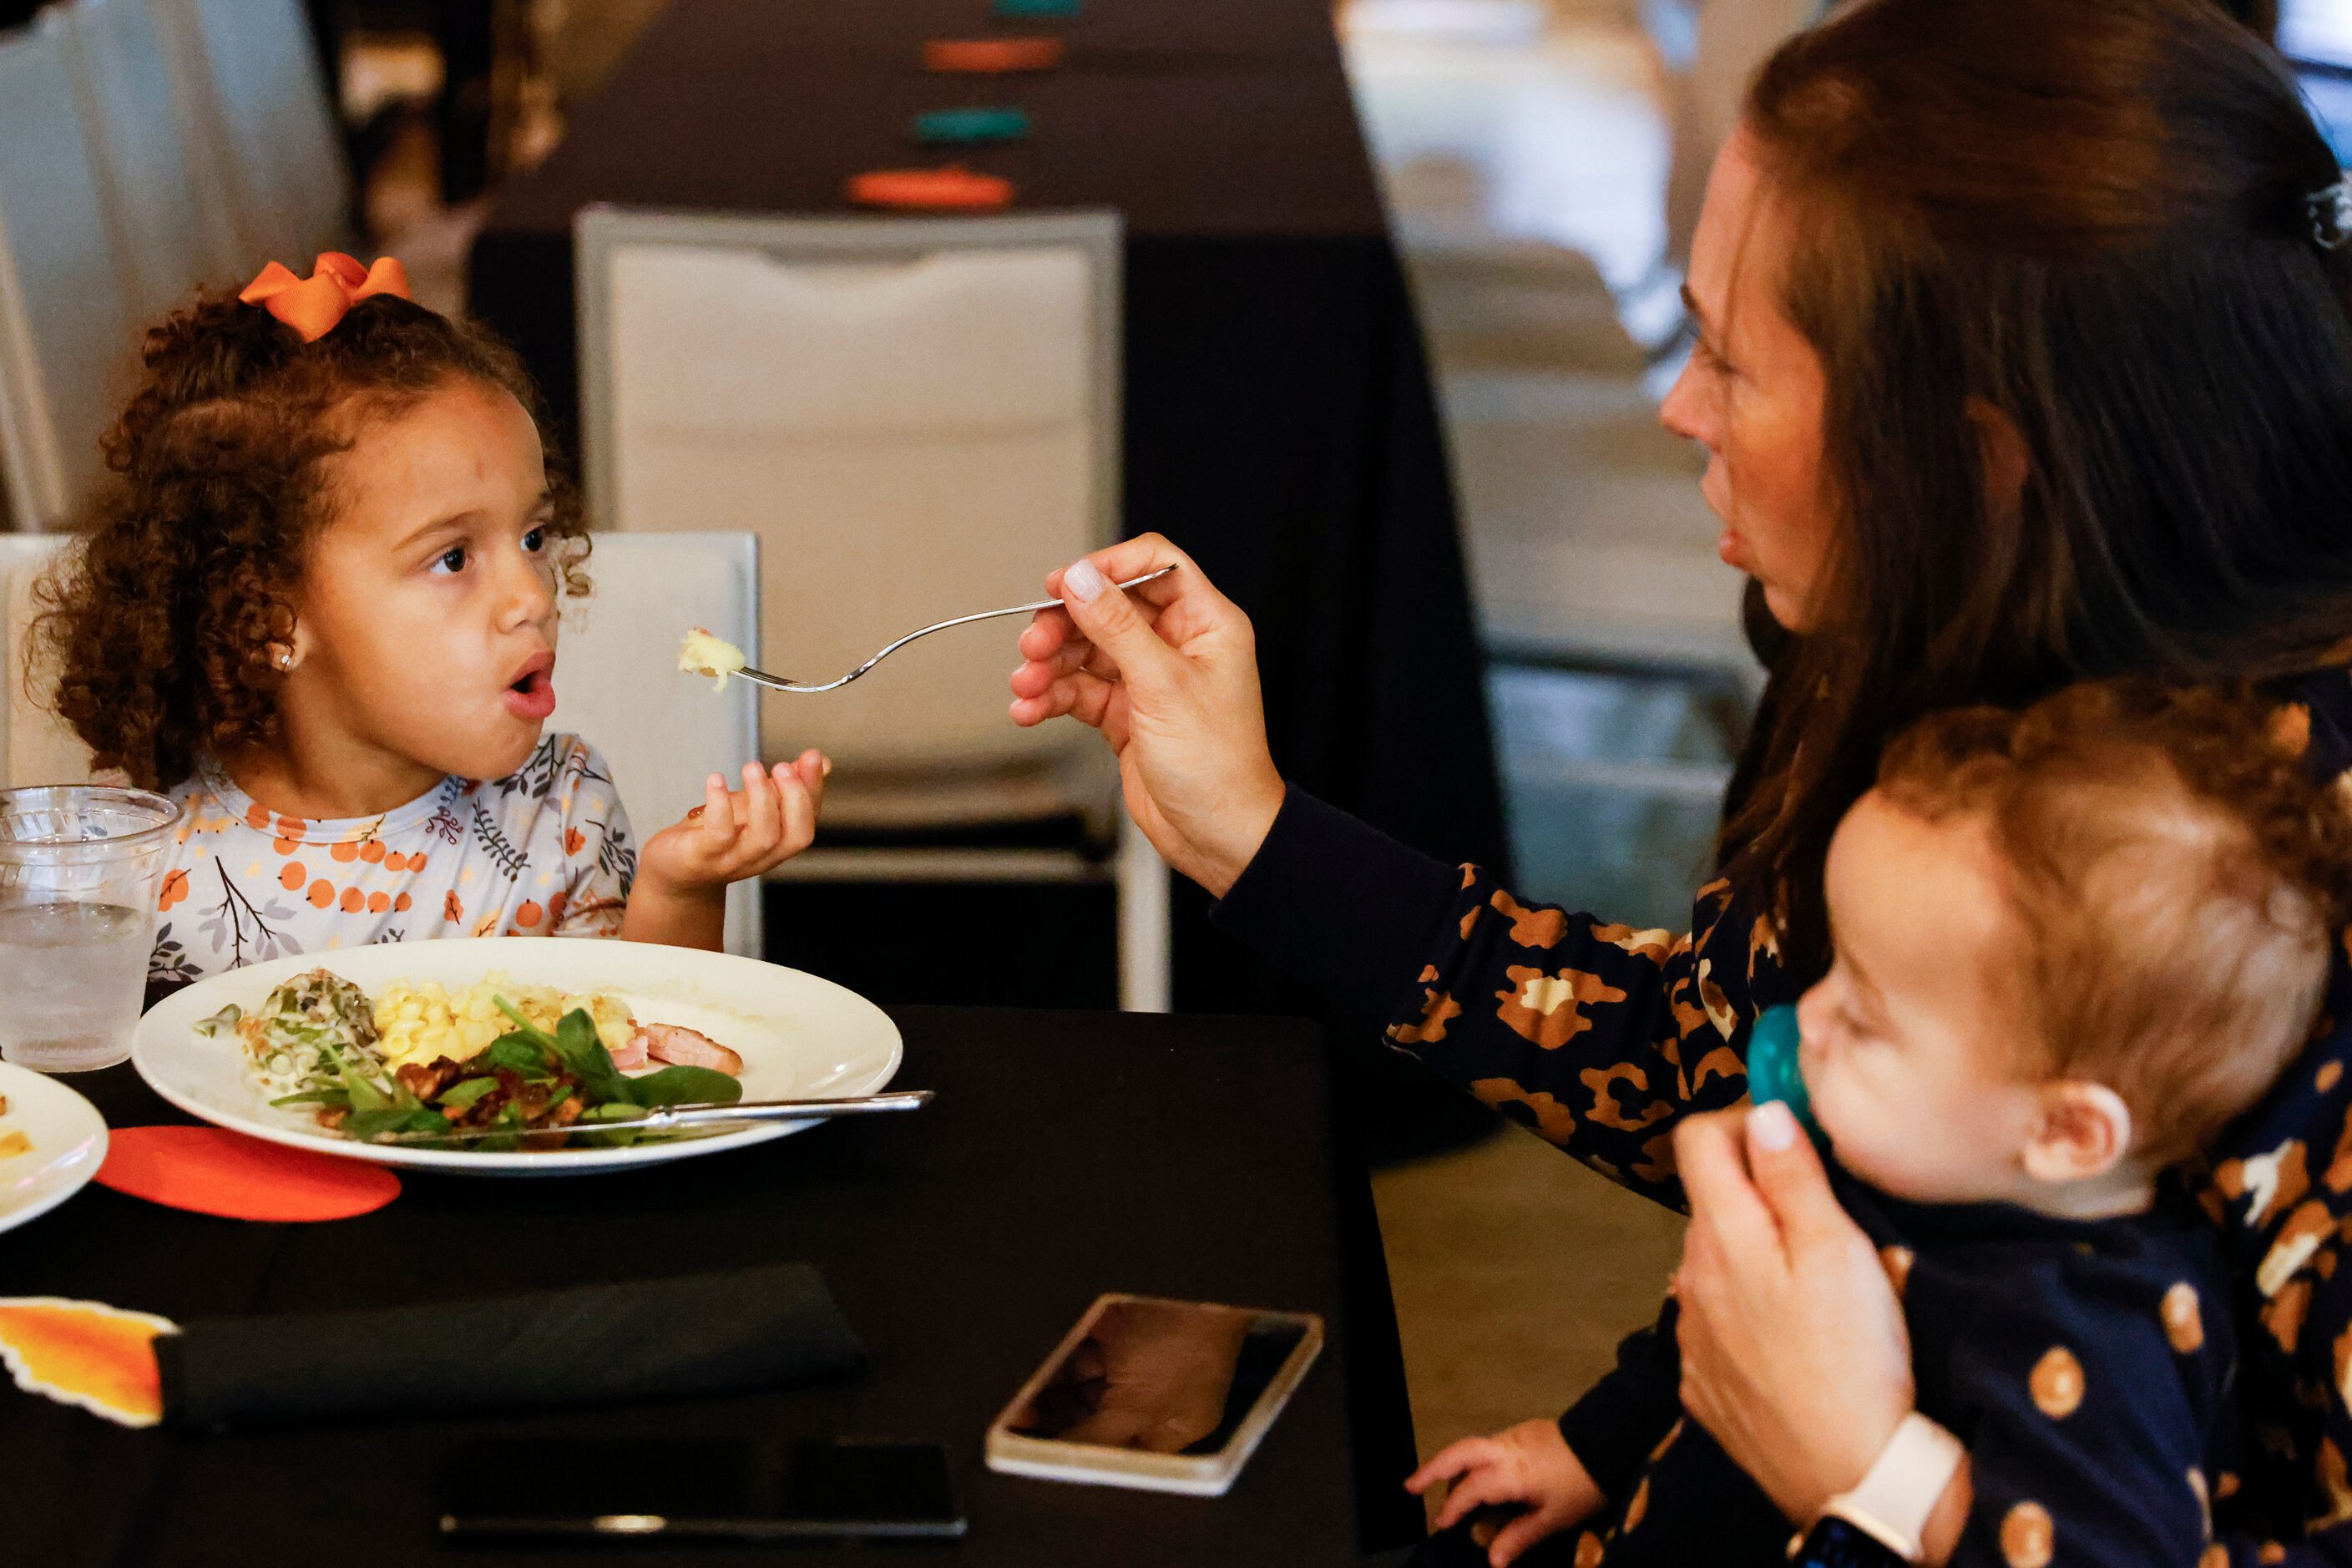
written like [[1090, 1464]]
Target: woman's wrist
[[1247, 823], [1913, 1497]]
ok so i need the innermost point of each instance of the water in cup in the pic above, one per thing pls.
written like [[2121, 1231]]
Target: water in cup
[[80, 866], [71, 979]]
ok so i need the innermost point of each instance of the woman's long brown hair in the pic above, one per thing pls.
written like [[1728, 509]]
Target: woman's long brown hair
[[2088, 221]]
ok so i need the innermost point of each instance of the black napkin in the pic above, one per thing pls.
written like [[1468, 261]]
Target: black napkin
[[593, 1344]]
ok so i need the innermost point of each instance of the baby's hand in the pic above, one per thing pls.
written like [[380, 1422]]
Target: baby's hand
[[1530, 1464], [733, 835]]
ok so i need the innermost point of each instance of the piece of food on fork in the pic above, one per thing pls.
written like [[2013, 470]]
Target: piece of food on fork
[[706, 653]]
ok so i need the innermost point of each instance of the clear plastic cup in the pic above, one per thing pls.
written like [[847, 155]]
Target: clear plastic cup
[[78, 872]]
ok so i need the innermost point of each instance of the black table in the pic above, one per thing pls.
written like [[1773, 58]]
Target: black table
[[1068, 1154], [1279, 422]]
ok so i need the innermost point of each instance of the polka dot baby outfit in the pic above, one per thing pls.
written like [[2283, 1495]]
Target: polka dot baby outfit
[[2085, 1365], [544, 851]]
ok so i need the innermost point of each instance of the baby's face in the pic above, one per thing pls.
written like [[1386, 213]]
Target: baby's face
[[427, 608], [1908, 1044]]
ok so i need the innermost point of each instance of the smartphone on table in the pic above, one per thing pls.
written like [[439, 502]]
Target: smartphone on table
[[1165, 1395], [711, 1490]]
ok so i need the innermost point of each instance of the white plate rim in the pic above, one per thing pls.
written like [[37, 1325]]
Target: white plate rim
[[514, 955], [80, 1164]]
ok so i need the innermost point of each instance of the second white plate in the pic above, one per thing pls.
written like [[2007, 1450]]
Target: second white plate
[[64, 1142]]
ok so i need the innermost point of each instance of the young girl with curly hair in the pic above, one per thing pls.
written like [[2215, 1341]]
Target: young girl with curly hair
[[317, 606]]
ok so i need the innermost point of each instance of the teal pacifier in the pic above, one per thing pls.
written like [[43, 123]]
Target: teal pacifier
[[1775, 1073]]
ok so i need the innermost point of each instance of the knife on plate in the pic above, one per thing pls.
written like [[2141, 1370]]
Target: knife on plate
[[672, 1118]]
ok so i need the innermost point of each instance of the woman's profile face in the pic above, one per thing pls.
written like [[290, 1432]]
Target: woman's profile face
[[1752, 393]]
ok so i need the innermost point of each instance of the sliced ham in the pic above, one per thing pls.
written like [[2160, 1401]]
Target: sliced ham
[[633, 1054], [685, 1048]]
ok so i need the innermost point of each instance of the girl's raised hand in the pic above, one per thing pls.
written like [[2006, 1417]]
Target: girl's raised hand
[[737, 834], [680, 894]]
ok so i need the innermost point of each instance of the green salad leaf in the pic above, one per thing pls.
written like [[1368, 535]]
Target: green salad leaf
[[582, 1051], [518, 1052], [686, 1086], [395, 1119], [465, 1091]]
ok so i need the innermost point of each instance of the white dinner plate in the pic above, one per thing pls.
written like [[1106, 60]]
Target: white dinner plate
[[799, 1038], [68, 1138]]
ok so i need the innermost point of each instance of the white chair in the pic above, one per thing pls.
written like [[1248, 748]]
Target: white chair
[[250, 73], [920, 417], [616, 678], [174, 215], [67, 335], [617, 681]]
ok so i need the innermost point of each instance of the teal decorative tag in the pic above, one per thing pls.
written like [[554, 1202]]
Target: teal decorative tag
[[961, 126]]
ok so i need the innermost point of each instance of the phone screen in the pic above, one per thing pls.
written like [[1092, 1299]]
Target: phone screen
[[1162, 1377], [737, 1490]]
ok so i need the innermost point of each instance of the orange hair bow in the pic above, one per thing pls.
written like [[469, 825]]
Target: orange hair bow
[[312, 305]]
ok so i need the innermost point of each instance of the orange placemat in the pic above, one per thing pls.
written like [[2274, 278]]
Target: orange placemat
[[992, 57], [931, 190], [208, 1170], [87, 1354]]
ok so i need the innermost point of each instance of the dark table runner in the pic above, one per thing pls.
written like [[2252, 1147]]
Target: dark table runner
[[1279, 422], [1068, 1154]]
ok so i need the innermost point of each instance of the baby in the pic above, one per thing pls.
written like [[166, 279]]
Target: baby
[[2070, 944], [318, 606]]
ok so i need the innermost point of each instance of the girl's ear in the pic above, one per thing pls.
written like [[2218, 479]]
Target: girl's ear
[[2081, 1130]]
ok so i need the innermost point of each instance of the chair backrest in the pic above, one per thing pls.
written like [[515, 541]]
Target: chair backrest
[[617, 681], [661, 731], [919, 417], [68, 336], [175, 216], [250, 72]]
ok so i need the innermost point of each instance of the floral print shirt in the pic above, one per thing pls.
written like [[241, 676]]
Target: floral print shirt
[[544, 851], [1601, 1037]]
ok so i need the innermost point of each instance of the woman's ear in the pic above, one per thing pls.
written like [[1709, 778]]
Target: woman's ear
[[2081, 1130], [2001, 449]]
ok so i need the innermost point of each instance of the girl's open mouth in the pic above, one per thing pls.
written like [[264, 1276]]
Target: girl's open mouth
[[532, 695]]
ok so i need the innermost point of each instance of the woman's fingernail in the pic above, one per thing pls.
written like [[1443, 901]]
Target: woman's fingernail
[[1771, 1127], [1084, 584], [715, 781], [825, 766]]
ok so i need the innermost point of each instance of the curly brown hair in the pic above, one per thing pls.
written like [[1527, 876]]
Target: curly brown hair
[[2178, 875], [158, 627]]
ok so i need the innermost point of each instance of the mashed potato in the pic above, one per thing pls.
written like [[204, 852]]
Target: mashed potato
[[703, 653], [419, 1021]]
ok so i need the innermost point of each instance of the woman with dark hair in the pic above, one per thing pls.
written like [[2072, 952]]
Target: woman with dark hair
[[2025, 359]]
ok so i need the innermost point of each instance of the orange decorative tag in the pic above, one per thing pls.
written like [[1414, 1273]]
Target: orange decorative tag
[[87, 1354], [208, 1170], [992, 57], [952, 190]]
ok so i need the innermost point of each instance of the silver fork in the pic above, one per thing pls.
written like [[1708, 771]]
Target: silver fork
[[784, 683]]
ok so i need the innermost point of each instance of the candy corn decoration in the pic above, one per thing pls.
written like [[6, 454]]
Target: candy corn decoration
[[87, 1354]]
